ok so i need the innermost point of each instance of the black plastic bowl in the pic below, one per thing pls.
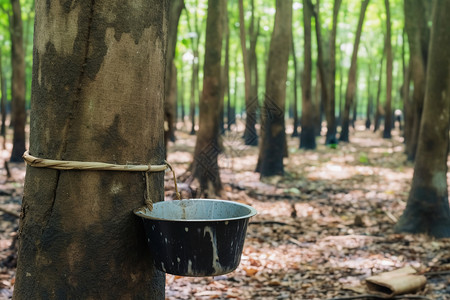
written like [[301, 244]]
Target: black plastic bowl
[[196, 237]]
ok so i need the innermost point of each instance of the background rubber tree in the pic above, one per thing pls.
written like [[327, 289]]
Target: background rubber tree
[[205, 166], [427, 209], [250, 74], [3, 101], [389, 61], [195, 37], [351, 81], [331, 105], [416, 27], [308, 133], [97, 95], [273, 142], [18, 82], [295, 90], [170, 90]]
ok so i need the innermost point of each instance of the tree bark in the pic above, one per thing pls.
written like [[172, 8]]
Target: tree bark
[[307, 135], [205, 167], [369, 98], [351, 81], [195, 68], [407, 105], [427, 209], [227, 74], [295, 85], [389, 59], [251, 104], [225, 89], [418, 38], [253, 64], [18, 83], [180, 97], [378, 108], [330, 109], [170, 90], [273, 140], [97, 96], [3, 101], [324, 80], [194, 91]]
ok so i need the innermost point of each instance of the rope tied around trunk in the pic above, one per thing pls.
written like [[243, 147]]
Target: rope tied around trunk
[[99, 166]]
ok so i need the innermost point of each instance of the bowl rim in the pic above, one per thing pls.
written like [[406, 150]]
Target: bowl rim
[[140, 211]]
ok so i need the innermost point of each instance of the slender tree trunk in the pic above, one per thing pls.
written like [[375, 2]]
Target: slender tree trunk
[[351, 81], [427, 209], [205, 167], [93, 100], [195, 68], [341, 87], [3, 101], [407, 106], [324, 80], [18, 83], [330, 109], [251, 104], [253, 65], [307, 135], [295, 85], [369, 98], [180, 96], [418, 36], [388, 110], [227, 72], [232, 111], [318, 105], [194, 91], [378, 109], [273, 140], [225, 69], [170, 103], [355, 111]]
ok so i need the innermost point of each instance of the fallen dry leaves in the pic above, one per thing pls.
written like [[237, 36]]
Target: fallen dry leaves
[[320, 230], [323, 228]]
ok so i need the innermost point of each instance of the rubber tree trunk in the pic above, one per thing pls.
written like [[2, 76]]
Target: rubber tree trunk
[[295, 89], [427, 209], [227, 75], [307, 135], [205, 166], [18, 82], [388, 110], [195, 40], [324, 81], [97, 96], [405, 94], [194, 91], [418, 38], [273, 143], [251, 103], [369, 98], [378, 109], [3, 101], [225, 84], [331, 106], [170, 90], [351, 82]]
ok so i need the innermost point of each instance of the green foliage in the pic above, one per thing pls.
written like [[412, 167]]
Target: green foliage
[[364, 158], [27, 11], [191, 36]]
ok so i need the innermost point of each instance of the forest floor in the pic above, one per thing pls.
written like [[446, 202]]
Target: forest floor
[[320, 231]]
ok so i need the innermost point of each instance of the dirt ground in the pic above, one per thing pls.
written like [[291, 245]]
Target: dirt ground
[[320, 231]]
